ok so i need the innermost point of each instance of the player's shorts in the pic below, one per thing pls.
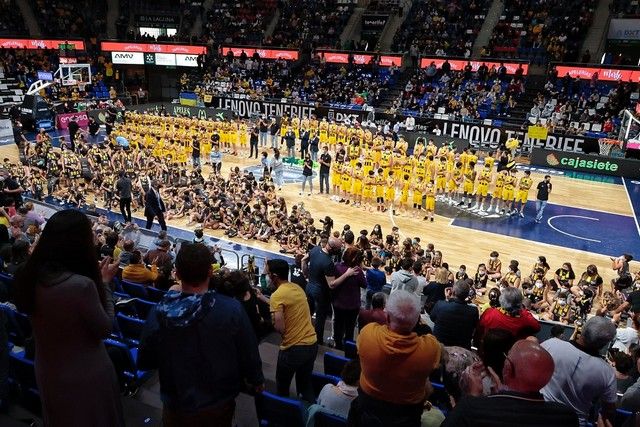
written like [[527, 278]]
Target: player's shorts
[[336, 179], [430, 204], [390, 195], [452, 185], [522, 196], [404, 196], [497, 193], [417, 199], [441, 182], [507, 194], [356, 188], [483, 189], [468, 187]]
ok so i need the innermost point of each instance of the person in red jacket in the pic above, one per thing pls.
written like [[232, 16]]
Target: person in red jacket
[[510, 316]]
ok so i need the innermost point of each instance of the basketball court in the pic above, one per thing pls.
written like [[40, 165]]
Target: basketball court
[[589, 218]]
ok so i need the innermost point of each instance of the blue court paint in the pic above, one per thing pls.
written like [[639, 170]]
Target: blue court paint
[[632, 188], [574, 228]]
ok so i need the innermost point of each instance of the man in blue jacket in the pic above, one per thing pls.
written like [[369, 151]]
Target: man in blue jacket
[[203, 346]]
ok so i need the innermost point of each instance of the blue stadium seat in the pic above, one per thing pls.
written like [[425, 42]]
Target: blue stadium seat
[[276, 411], [155, 295], [143, 307], [134, 376], [22, 374], [135, 290], [320, 380], [131, 328], [334, 363], [350, 350], [323, 419], [18, 326]]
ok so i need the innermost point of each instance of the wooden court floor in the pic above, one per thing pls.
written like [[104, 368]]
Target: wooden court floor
[[458, 245]]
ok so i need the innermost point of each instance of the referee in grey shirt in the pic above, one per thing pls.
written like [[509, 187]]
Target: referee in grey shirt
[[123, 187]]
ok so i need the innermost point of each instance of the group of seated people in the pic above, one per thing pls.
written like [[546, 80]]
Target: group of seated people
[[313, 22], [466, 94], [240, 22], [578, 106], [441, 28], [319, 82], [76, 18], [542, 31], [12, 24]]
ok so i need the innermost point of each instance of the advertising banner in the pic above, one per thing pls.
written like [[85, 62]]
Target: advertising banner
[[286, 54], [39, 44], [604, 74], [342, 57], [373, 23], [627, 168], [152, 47], [459, 64], [624, 29], [127, 58], [247, 108], [159, 21], [62, 120]]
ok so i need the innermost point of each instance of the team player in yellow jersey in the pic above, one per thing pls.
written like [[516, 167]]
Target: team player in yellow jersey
[[482, 188], [469, 179], [523, 191], [508, 192], [429, 199]]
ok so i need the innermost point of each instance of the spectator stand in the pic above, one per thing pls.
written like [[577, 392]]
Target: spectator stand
[[587, 100], [542, 31], [239, 22], [441, 28], [468, 90], [311, 22], [12, 22]]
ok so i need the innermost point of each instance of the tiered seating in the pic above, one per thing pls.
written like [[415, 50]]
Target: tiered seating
[[460, 95], [580, 106], [10, 90], [542, 31], [240, 22], [12, 23], [71, 17], [440, 27], [310, 21]]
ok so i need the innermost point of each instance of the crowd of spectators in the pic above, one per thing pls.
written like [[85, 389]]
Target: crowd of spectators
[[239, 22], [347, 84], [440, 28], [71, 18], [310, 22], [487, 92], [623, 8], [12, 22], [542, 31], [578, 106]]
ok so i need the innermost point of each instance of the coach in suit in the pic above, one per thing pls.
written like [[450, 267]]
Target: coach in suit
[[154, 206]]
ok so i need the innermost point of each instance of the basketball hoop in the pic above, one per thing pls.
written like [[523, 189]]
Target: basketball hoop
[[606, 144]]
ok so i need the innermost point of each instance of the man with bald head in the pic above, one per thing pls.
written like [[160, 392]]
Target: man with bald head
[[396, 364], [320, 271], [517, 401], [582, 379]]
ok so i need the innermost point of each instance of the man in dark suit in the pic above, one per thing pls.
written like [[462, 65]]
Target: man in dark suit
[[73, 128], [304, 142], [154, 206]]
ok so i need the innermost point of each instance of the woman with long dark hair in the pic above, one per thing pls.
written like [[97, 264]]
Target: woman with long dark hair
[[65, 291]]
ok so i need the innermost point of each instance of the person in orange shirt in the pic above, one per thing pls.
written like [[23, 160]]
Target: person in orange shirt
[[137, 272], [396, 364]]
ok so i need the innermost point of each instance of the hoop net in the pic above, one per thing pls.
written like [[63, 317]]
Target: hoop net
[[606, 144]]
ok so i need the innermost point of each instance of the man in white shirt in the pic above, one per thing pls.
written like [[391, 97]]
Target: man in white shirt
[[581, 376], [410, 123]]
